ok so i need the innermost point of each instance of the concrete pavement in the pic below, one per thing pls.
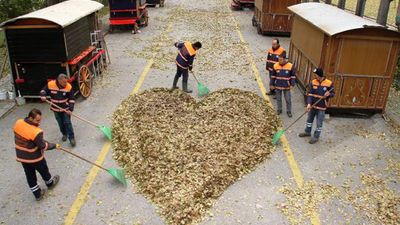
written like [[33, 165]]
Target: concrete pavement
[[348, 147]]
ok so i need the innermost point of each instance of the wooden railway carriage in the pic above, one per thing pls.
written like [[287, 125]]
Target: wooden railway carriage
[[358, 55], [273, 17], [58, 39], [128, 13]]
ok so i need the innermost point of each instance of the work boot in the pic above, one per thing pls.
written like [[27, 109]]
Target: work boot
[[304, 135], [72, 142], [64, 138], [40, 197], [55, 179], [175, 83], [185, 88], [314, 140], [289, 114], [279, 112]]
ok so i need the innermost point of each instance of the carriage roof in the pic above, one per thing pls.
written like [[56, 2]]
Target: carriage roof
[[62, 14], [331, 19]]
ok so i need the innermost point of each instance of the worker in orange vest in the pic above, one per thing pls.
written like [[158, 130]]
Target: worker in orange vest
[[320, 87], [184, 63], [30, 146], [273, 54], [62, 95], [283, 77]]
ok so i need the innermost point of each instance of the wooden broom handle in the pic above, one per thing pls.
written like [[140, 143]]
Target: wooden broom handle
[[194, 76], [78, 117], [320, 99], [80, 157]]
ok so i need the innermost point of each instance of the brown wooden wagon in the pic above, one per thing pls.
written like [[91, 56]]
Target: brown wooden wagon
[[273, 17], [63, 38], [357, 54]]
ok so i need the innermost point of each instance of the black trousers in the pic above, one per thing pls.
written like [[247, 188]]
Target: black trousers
[[30, 172], [182, 72]]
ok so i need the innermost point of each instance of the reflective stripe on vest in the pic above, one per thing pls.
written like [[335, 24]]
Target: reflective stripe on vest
[[26, 149], [53, 87], [275, 53]]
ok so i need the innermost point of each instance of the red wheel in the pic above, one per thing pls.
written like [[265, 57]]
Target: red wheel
[[85, 81]]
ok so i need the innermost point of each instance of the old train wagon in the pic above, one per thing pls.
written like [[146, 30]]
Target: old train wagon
[[240, 4], [131, 13], [273, 17], [62, 38], [159, 3], [357, 54]]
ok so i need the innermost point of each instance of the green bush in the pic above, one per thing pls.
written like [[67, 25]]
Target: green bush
[[14, 8], [2, 38]]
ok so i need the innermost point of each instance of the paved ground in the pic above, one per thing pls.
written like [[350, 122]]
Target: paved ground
[[354, 157]]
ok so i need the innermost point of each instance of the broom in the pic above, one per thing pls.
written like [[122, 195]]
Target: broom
[[106, 130], [118, 174], [279, 134], [203, 90]]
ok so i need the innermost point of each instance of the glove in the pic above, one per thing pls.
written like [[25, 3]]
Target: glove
[[308, 107], [43, 98], [58, 146]]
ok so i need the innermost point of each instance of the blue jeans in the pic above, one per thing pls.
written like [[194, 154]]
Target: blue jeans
[[288, 99], [320, 114], [64, 122]]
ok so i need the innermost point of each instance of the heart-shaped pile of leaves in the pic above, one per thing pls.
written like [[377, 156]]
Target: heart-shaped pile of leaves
[[183, 154]]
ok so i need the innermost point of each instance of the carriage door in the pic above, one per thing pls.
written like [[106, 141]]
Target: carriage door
[[364, 80]]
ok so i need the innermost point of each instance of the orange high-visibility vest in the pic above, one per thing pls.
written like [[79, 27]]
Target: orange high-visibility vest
[[26, 149]]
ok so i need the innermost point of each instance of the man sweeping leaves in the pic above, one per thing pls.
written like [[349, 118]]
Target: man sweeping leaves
[[30, 146], [320, 87], [184, 62]]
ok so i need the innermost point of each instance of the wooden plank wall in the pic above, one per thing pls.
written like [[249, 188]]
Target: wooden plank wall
[[308, 39]]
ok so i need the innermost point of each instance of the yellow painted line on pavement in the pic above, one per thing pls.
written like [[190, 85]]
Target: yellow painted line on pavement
[[141, 79], [314, 217], [80, 198]]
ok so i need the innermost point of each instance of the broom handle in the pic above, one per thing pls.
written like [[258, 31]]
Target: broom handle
[[194, 76], [320, 99], [80, 157], [105, 45], [78, 117]]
